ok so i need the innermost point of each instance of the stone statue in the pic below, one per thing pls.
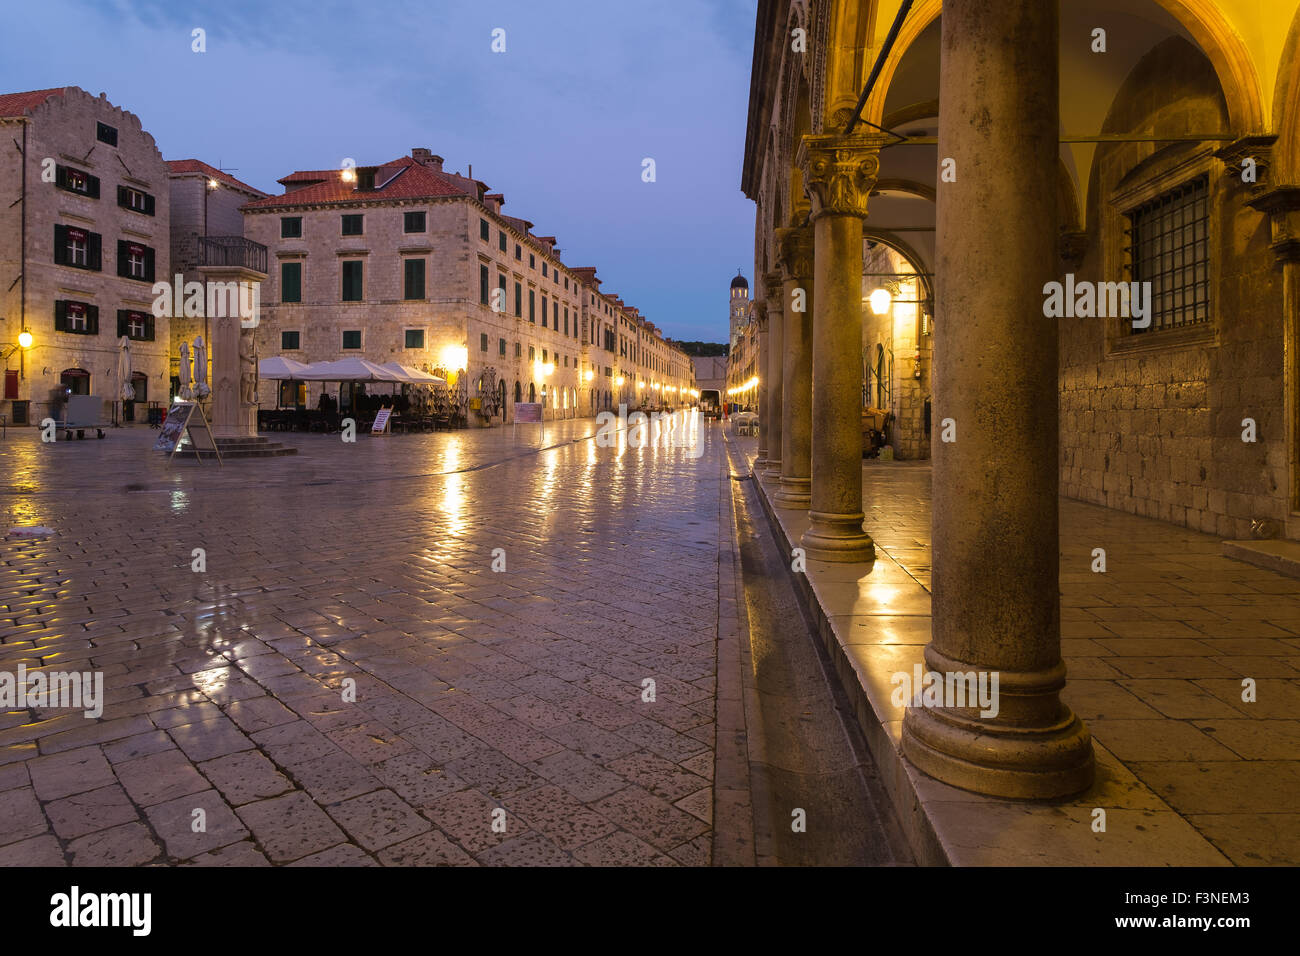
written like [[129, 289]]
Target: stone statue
[[247, 369]]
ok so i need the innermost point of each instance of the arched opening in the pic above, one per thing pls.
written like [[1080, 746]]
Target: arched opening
[[501, 399], [75, 380], [519, 395], [532, 392]]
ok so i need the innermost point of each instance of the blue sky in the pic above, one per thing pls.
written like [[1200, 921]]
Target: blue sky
[[559, 123]]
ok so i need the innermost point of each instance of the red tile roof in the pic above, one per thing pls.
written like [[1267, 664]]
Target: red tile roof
[[175, 166], [16, 104], [412, 181]]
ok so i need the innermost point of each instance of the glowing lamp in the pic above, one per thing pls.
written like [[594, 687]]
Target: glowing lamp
[[880, 300], [25, 339]]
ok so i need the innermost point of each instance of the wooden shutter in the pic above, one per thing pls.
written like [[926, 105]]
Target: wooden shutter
[[60, 315], [92, 319], [123, 327], [148, 205], [94, 252], [61, 244], [92, 186], [148, 326], [148, 265]]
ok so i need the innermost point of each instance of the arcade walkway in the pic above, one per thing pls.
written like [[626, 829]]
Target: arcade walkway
[[1156, 648]]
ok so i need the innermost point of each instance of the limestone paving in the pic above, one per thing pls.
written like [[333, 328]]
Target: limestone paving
[[500, 717]]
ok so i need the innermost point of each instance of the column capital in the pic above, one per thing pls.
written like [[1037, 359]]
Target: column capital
[[1258, 150], [772, 290], [840, 171], [758, 309], [1282, 206], [794, 254]]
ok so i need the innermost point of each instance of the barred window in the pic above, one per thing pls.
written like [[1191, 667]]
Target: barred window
[[1169, 247]]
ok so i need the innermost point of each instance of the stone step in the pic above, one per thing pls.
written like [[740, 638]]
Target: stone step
[[240, 453], [1280, 556]]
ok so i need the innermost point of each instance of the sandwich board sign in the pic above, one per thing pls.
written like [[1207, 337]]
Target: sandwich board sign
[[380, 426], [186, 418], [529, 413]]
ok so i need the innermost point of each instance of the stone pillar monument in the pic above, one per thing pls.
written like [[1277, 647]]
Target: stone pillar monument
[[233, 350]]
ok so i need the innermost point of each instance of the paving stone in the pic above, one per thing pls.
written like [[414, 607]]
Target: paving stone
[[531, 849], [431, 848], [290, 827], [84, 813], [655, 821], [72, 771], [175, 822], [40, 850], [159, 777], [128, 845], [244, 777], [621, 849]]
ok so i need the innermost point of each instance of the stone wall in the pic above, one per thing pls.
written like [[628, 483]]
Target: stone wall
[[1152, 423]]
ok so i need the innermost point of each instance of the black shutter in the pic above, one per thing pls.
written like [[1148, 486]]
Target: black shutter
[[92, 186], [148, 265], [61, 244], [148, 327], [123, 267], [123, 196], [122, 327], [61, 176], [94, 253], [60, 315], [92, 320], [148, 205]]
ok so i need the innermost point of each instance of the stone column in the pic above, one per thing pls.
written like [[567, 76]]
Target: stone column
[[1282, 205], [996, 604], [773, 371], [795, 258], [839, 173], [760, 369], [234, 368]]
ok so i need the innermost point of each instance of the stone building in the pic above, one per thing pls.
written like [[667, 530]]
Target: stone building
[[1092, 211], [84, 223], [744, 321], [205, 215], [412, 263]]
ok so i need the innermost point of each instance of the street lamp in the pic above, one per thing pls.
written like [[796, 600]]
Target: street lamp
[[24, 339], [880, 300]]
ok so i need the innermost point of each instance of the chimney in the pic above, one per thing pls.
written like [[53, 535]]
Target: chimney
[[427, 158]]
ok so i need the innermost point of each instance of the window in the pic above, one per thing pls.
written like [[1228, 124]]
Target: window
[[352, 275], [501, 347], [519, 252], [413, 222], [532, 262], [352, 339], [566, 320], [291, 227], [135, 325], [289, 341], [501, 240], [106, 134], [482, 342], [136, 199], [77, 247], [483, 281], [555, 315], [80, 318], [532, 353], [352, 224], [519, 350], [566, 283], [543, 311], [415, 338], [532, 302], [291, 282], [519, 301], [543, 270], [75, 181], [1169, 247], [134, 261], [501, 290], [413, 278], [484, 232]]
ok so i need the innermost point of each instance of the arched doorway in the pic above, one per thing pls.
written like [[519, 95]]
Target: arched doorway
[[501, 394], [519, 394], [532, 392]]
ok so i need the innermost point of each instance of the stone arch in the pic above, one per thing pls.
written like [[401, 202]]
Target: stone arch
[[1286, 109]]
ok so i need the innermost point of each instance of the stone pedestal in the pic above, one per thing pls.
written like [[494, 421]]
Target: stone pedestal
[[996, 603], [839, 172], [773, 371], [795, 258]]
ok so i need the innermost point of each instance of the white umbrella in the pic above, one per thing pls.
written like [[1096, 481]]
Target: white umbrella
[[280, 368], [125, 388], [350, 370], [201, 389], [187, 391], [412, 375]]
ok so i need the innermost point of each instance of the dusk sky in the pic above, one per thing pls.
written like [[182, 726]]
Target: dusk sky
[[559, 123]]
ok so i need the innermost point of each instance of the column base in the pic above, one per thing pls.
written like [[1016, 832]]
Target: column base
[[836, 537], [795, 493], [1033, 748], [771, 472]]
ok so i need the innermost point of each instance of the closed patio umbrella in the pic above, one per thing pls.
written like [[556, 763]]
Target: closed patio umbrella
[[125, 390], [201, 389], [187, 390]]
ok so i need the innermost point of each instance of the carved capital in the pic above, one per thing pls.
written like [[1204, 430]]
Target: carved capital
[[1282, 206], [794, 252], [840, 171], [1246, 162], [772, 289], [1073, 243], [758, 312]]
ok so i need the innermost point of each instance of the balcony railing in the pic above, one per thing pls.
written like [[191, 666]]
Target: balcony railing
[[232, 251]]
